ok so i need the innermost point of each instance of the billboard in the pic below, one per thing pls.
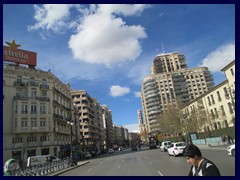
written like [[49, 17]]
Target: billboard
[[19, 56]]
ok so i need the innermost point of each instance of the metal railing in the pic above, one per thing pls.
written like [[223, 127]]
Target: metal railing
[[42, 170]]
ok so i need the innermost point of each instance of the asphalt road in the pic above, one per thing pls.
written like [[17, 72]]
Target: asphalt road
[[149, 163]]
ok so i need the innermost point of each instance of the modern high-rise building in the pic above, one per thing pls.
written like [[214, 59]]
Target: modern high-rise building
[[169, 84]]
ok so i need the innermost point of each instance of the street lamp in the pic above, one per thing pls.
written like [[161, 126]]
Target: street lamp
[[71, 146]]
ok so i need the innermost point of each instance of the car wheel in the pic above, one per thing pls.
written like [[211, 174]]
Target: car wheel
[[233, 152]]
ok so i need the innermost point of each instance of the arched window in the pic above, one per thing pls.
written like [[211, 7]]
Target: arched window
[[19, 79]]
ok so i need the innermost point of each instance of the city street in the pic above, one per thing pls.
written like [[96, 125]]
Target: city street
[[149, 163]]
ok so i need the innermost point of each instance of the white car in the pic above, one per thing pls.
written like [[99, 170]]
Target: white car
[[176, 148], [110, 151], [165, 145], [231, 150]]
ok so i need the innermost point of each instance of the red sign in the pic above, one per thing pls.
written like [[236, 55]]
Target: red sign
[[19, 56]]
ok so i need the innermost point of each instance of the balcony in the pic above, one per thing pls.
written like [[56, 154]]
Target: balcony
[[44, 87], [43, 99], [19, 84], [32, 84]]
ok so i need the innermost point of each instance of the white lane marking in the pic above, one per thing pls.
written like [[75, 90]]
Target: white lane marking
[[150, 162], [160, 173]]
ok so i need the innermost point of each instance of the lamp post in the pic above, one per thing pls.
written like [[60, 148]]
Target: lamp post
[[71, 146]]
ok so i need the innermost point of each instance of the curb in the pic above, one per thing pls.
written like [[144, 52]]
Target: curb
[[70, 168]]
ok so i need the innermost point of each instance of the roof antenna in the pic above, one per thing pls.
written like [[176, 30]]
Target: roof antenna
[[156, 49], [163, 48]]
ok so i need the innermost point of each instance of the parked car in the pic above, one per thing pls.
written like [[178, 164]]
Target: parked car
[[120, 148], [231, 150], [88, 155], [134, 148], [152, 146], [165, 145], [110, 151], [176, 148]]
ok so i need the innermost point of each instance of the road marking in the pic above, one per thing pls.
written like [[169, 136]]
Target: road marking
[[119, 166], [160, 173], [150, 162]]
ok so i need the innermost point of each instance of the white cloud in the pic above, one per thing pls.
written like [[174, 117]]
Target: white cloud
[[137, 94], [132, 127], [103, 38], [118, 91], [51, 17], [219, 58], [140, 70]]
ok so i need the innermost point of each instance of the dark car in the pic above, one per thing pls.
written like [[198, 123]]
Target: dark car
[[134, 148], [153, 146]]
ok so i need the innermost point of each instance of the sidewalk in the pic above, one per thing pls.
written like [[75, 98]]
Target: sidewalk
[[213, 146], [81, 163]]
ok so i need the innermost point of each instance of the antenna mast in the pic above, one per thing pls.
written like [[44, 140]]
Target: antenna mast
[[163, 48]]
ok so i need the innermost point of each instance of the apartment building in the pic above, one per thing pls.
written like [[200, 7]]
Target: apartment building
[[142, 128], [108, 126], [214, 109], [90, 115], [37, 107], [169, 84]]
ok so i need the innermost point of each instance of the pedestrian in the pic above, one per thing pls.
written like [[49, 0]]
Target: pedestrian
[[47, 161], [200, 166]]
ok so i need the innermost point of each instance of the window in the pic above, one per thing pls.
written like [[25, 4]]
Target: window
[[216, 113], [33, 109], [230, 108], [33, 92], [34, 122], [19, 79], [212, 114], [42, 123], [44, 138], [15, 123], [32, 139], [42, 109], [226, 93], [219, 97], [24, 123], [232, 72], [17, 139], [209, 102], [24, 108], [212, 99], [222, 109]]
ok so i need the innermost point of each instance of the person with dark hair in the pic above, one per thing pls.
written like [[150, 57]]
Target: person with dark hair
[[200, 166]]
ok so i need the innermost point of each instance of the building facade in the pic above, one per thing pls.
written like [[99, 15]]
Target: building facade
[[169, 84], [214, 109], [37, 107]]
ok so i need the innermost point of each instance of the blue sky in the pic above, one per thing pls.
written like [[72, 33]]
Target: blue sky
[[108, 49]]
